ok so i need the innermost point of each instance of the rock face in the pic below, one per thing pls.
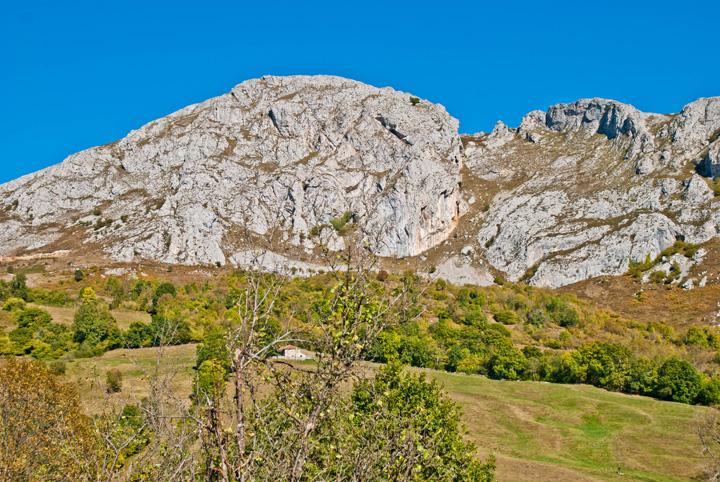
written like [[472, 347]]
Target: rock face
[[575, 192], [277, 156], [586, 188]]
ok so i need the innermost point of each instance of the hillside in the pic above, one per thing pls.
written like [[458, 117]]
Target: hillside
[[537, 431]]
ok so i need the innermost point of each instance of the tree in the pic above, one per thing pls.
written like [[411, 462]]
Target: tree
[[45, 435], [18, 286], [94, 327], [214, 347], [138, 335], [708, 431], [402, 427], [165, 288], [679, 381]]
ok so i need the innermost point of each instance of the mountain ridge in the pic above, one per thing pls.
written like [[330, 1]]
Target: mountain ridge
[[574, 192]]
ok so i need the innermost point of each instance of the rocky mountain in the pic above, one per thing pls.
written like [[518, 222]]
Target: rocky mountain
[[573, 193]]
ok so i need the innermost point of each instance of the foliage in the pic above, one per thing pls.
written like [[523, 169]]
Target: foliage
[[679, 381], [94, 327], [45, 435], [113, 380], [408, 429], [14, 304], [18, 286], [339, 223], [215, 347]]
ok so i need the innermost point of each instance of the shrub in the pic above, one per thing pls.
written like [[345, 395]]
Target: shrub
[[32, 317], [507, 363], [710, 392], [57, 367], [696, 336], [14, 304], [414, 100], [79, 275], [113, 380], [138, 335], [657, 276], [339, 223], [536, 317], [18, 286], [506, 317], [163, 289]]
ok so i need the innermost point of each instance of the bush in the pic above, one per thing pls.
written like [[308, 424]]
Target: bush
[[32, 317], [536, 317], [57, 367], [14, 304], [339, 223], [48, 297], [113, 380], [18, 286], [657, 276], [163, 289], [169, 331], [506, 317]]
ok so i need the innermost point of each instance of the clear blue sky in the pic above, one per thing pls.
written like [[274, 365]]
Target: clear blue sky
[[81, 73]]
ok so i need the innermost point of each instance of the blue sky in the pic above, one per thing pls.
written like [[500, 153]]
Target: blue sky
[[84, 73]]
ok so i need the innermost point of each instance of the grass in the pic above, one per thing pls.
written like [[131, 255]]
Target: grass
[[537, 431], [577, 432], [65, 315]]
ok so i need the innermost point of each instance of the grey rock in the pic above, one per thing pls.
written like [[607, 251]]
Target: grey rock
[[275, 157]]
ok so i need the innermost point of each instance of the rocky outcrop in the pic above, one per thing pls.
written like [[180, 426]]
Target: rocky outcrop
[[587, 187], [709, 166], [276, 157]]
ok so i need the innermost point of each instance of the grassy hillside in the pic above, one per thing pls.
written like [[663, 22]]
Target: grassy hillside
[[537, 431]]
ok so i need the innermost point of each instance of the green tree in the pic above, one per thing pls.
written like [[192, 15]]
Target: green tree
[[679, 381], [138, 335], [164, 288], [506, 362], [397, 420], [214, 347], [94, 327]]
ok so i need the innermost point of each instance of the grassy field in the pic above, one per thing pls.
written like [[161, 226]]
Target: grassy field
[[65, 315], [537, 431]]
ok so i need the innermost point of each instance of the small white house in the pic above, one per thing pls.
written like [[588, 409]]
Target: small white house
[[291, 352]]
